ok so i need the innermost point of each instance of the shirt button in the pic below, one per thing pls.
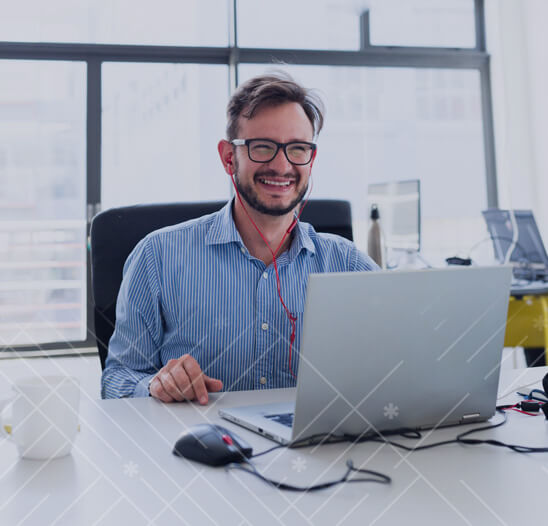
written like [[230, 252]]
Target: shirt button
[[242, 249], [262, 380], [264, 326], [265, 275]]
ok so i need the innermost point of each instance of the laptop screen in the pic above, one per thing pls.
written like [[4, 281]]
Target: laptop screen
[[529, 247]]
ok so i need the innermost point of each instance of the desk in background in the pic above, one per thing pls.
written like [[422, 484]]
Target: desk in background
[[122, 471], [527, 324]]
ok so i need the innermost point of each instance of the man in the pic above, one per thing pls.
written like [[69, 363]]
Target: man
[[203, 305]]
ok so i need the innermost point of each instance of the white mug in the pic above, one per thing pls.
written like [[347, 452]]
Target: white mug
[[42, 418]]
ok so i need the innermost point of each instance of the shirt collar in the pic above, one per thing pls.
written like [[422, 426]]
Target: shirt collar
[[301, 240], [223, 230]]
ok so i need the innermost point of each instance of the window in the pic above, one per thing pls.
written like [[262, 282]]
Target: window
[[306, 24], [163, 22], [423, 23], [100, 98], [161, 123], [43, 206], [402, 123]]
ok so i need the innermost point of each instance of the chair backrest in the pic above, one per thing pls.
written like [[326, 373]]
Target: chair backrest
[[115, 232]]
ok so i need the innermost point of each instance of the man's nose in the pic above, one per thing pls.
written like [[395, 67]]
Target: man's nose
[[280, 162]]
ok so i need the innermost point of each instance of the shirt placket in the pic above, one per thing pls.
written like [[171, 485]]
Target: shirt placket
[[264, 329]]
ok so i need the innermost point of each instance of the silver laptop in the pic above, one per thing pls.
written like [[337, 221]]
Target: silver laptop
[[389, 350], [529, 257]]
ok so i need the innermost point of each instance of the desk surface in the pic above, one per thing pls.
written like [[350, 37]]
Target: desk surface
[[122, 471]]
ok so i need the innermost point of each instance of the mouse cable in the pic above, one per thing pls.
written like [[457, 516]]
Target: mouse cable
[[375, 476], [279, 446]]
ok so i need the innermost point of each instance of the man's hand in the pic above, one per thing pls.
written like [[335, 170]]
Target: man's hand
[[183, 379]]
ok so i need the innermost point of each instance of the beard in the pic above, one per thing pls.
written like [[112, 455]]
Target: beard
[[251, 197]]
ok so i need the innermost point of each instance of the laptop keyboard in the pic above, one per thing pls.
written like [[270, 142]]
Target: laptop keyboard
[[285, 419]]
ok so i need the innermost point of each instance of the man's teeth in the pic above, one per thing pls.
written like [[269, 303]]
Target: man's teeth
[[275, 183]]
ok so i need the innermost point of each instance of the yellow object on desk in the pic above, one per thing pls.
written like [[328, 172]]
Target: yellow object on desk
[[527, 324]]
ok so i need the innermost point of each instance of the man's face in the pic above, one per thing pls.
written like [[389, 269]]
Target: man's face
[[277, 187]]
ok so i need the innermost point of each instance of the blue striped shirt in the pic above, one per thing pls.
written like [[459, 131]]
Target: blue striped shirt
[[194, 288]]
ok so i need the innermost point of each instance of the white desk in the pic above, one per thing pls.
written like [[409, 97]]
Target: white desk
[[122, 471]]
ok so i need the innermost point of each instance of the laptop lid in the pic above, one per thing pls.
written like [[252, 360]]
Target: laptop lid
[[385, 350], [529, 247]]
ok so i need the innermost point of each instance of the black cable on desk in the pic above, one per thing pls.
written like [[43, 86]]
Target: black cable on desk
[[462, 438], [377, 477]]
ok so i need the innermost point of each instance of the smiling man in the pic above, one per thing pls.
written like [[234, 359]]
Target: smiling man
[[216, 303]]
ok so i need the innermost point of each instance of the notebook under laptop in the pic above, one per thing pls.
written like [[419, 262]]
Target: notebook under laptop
[[529, 257], [387, 350]]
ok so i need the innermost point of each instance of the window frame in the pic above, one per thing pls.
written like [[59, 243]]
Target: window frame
[[368, 55]]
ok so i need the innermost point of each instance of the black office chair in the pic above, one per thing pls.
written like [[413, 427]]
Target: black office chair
[[115, 232]]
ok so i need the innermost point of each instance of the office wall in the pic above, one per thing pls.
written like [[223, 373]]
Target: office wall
[[518, 42]]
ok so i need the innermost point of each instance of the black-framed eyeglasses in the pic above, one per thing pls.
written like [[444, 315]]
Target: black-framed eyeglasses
[[264, 150]]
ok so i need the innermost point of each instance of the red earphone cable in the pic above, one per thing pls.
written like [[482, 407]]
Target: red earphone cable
[[292, 317]]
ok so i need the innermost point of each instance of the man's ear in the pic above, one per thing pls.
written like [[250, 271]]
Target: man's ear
[[313, 158], [226, 153]]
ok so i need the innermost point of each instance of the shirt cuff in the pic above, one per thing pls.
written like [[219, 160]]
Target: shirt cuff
[[141, 389]]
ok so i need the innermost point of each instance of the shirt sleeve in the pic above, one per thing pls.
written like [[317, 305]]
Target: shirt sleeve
[[133, 351], [360, 261]]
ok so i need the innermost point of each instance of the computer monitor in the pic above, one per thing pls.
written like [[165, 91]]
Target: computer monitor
[[399, 213], [529, 247]]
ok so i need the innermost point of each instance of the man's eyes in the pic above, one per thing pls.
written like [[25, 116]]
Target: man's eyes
[[299, 148], [263, 147]]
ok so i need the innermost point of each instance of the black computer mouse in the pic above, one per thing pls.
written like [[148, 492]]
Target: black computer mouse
[[212, 444]]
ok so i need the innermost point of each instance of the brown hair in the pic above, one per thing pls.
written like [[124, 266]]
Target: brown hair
[[271, 90]]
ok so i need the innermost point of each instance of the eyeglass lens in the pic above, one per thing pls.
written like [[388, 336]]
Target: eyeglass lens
[[264, 151]]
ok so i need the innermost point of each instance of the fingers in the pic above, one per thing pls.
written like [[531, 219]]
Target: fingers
[[212, 384], [156, 390], [183, 379], [195, 388]]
